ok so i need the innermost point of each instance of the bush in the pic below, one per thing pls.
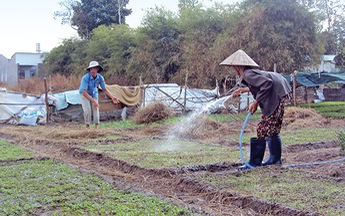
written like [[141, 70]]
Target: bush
[[35, 85], [341, 141]]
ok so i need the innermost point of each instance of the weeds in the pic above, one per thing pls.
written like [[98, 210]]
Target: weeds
[[288, 187], [334, 109], [341, 141], [57, 83], [165, 153], [9, 151], [48, 187]]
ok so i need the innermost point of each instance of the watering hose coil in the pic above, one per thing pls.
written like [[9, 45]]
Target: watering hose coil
[[240, 141]]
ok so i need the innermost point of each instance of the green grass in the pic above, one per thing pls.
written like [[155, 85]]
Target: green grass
[[234, 117], [341, 141], [37, 187], [127, 124], [10, 151], [120, 124], [307, 135], [165, 153], [328, 109], [301, 136], [288, 187], [48, 187]]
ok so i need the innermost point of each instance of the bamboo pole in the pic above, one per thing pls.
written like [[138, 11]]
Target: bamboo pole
[[185, 94], [46, 99], [293, 76]]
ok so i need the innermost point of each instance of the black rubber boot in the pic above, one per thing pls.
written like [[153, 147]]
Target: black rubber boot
[[275, 147], [257, 151]]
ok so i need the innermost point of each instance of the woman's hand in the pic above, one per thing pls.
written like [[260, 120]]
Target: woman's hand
[[253, 107], [237, 92]]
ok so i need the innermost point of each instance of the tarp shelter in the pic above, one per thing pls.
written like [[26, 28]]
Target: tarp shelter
[[17, 108], [178, 97], [314, 79], [69, 105], [171, 94], [128, 96]]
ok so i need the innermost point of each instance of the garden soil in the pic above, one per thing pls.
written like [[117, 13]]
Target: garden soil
[[61, 141]]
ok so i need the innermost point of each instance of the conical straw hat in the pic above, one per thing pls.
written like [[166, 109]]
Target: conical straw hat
[[239, 58]]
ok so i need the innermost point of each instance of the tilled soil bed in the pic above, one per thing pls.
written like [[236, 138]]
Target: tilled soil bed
[[177, 185]]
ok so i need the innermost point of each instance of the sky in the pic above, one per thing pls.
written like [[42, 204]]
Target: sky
[[25, 23]]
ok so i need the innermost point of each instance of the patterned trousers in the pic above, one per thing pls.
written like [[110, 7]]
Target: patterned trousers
[[272, 124]]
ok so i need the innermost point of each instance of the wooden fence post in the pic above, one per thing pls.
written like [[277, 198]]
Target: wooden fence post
[[293, 76], [185, 94], [46, 99]]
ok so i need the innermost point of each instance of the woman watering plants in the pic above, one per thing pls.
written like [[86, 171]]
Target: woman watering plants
[[270, 90]]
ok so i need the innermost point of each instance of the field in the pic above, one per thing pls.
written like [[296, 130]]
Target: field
[[179, 166]]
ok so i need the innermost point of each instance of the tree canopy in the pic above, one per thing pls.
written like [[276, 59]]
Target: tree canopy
[[86, 15], [168, 46]]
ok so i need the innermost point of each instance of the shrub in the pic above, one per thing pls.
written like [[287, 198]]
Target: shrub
[[341, 141]]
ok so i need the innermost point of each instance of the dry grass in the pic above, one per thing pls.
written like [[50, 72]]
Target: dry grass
[[153, 112], [296, 118], [35, 85]]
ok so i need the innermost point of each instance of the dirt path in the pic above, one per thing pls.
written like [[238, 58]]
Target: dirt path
[[174, 185]]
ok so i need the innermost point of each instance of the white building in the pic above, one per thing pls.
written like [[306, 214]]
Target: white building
[[22, 65], [327, 63]]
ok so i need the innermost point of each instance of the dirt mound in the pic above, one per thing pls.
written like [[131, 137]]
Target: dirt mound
[[296, 118]]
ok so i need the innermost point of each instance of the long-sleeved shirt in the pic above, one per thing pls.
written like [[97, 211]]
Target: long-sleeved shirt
[[268, 88]]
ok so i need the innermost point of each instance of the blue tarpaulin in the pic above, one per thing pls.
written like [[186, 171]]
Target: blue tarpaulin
[[314, 79]]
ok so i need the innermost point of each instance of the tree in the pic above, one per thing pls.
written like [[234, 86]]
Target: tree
[[66, 12], [157, 53], [340, 32], [199, 30], [275, 32], [113, 46], [66, 59], [331, 15], [86, 15], [328, 10]]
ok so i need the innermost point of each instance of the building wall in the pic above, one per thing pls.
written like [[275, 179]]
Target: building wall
[[23, 58], [327, 66], [22, 65], [334, 94], [327, 63], [3, 68], [6, 71]]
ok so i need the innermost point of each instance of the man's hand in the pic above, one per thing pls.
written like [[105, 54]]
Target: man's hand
[[95, 104], [115, 100]]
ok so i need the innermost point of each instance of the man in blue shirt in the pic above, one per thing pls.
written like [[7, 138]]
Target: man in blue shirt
[[88, 91]]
